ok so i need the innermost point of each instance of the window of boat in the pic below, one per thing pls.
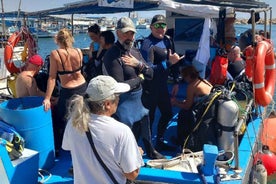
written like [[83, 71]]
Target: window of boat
[[188, 29]]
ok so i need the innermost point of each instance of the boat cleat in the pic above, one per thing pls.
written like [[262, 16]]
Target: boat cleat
[[229, 174]]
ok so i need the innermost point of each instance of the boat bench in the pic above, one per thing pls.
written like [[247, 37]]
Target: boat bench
[[23, 170]]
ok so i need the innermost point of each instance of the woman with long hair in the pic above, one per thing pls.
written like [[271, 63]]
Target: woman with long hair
[[66, 63]]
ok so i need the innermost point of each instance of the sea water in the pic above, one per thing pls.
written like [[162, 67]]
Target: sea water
[[46, 45]]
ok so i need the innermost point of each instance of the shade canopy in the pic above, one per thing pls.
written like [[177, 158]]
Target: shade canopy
[[189, 7]]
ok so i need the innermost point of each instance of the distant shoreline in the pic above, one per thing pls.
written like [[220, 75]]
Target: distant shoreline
[[261, 21]]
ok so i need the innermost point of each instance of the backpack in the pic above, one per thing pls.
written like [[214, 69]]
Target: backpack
[[12, 140]]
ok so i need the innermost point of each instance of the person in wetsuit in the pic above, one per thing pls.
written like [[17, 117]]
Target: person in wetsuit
[[66, 62], [236, 64], [107, 40], [94, 68], [94, 32], [125, 64], [158, 50]]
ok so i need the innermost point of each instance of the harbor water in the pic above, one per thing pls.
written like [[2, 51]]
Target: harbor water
[[46, 45]]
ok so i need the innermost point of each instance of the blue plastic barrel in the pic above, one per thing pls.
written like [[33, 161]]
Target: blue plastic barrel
[[28, 117]]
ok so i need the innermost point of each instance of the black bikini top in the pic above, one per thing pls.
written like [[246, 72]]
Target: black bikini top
[[64, 72]]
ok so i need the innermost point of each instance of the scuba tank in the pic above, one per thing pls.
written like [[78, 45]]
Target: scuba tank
[[227, 116]]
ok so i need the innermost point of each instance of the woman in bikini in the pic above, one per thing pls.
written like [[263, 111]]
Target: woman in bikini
[[66, 63], [197, 90]]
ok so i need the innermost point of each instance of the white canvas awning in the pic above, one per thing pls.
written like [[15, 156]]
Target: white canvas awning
[[194, 10]]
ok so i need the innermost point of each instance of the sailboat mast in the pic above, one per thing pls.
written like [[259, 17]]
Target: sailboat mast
[[18, 13], [3, 20]]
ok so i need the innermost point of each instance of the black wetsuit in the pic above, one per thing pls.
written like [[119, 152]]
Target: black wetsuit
[[235, 68], [115, 67], [155, 92], [130, 108], [94, 66]]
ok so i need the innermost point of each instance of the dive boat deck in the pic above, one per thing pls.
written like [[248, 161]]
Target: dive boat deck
[[249, 142], [245, 163], [60, 171]]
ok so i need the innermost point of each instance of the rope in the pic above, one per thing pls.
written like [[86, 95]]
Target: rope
[[271, 107], [43, 179], [30, 46]]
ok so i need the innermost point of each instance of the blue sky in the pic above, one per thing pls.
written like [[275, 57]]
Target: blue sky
[[35, 5]]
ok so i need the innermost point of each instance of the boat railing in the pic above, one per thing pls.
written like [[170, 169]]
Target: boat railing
[[238, 128]]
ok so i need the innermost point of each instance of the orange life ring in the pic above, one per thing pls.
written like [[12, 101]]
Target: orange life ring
[[25, 36], [264, 73], [8, 52]]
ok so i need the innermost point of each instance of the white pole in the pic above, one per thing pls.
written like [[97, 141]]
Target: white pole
[[18, 13], [3, 21]]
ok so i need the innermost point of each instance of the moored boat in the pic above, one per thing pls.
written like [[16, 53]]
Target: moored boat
[[142, 26], [43, 33], [110, 28], [245, 145]]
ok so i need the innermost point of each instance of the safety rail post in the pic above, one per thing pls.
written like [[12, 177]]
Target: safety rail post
[[237, 130]]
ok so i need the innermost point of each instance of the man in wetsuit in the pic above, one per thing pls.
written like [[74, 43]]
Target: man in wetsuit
[[125, 64], [236, 64], [158, 50]]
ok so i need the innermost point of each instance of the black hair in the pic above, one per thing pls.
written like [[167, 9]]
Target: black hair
[[246, 39], [109, 37], [261, 32], [193, 73], [190, 71], [95, 28]]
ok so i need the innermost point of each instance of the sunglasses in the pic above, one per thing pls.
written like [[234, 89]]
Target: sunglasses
[[160, 25]]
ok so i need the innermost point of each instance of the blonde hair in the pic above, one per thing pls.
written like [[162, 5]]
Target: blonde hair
[[64, 37], [81, 107]]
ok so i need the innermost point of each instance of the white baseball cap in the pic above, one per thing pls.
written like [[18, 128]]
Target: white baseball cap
[[102, 87]]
